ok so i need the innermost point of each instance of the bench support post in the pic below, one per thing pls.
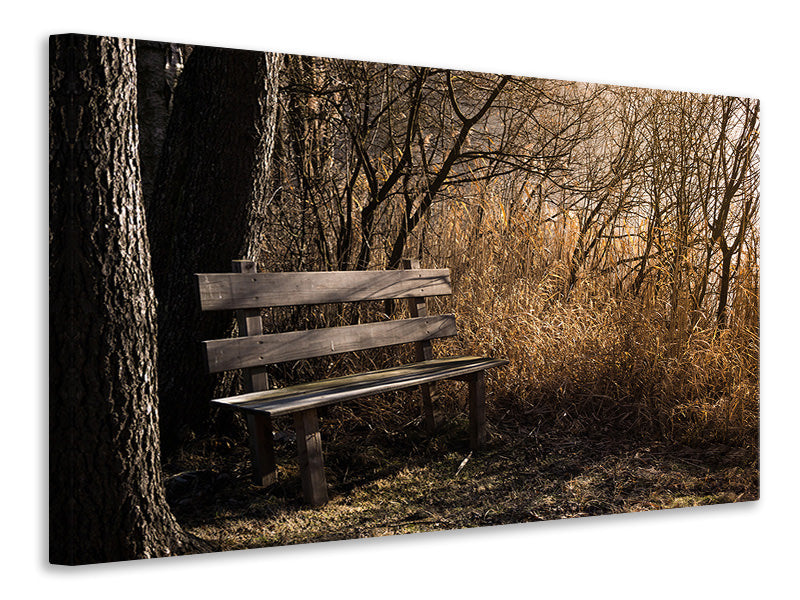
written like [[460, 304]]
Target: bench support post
[[428, 394], [309, 455], [259, 427], [418, 307], [477, 411], [259, 431]]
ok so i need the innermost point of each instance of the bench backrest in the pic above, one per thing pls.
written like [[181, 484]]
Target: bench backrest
[[247, 291]]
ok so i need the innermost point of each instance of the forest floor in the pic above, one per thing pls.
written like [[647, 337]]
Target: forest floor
[[383, 482]]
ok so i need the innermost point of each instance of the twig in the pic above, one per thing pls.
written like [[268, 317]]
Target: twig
[[463, 463]]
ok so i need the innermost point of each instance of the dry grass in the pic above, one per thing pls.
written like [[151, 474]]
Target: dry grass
[[402, 481], [599, 355]]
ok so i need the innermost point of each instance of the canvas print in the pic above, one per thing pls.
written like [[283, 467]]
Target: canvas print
[[296, 299]]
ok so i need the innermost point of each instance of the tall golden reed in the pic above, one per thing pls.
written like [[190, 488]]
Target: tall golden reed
[[598, 356]]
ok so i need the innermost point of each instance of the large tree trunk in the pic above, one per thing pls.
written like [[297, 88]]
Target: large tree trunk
[[208, 202], [106, 495]]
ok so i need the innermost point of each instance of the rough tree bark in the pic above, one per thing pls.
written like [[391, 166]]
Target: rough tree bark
[[211, 189], [106, 495]]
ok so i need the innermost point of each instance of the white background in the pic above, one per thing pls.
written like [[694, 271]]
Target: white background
[[736, 48]]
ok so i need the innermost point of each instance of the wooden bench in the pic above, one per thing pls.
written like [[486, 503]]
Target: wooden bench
[[247, 292]]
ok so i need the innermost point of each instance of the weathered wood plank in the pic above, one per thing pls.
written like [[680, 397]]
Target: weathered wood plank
[[281, 401], [220, 291], [259, 426], [309, 457], [235, 353]]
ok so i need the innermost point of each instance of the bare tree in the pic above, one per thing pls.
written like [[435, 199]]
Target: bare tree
[[373, 147], [700, 173]]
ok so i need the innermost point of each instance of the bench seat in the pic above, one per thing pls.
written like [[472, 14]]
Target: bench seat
[[281, 401]]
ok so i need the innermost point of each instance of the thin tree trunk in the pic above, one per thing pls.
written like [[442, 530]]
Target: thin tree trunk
[[653, 224], [106, 495], [158, 65], [725, 282], [212, 187]]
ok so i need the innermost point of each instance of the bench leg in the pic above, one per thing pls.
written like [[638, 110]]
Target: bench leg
[[259, 428], [477, 410], [428, 396], [309, 453]]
